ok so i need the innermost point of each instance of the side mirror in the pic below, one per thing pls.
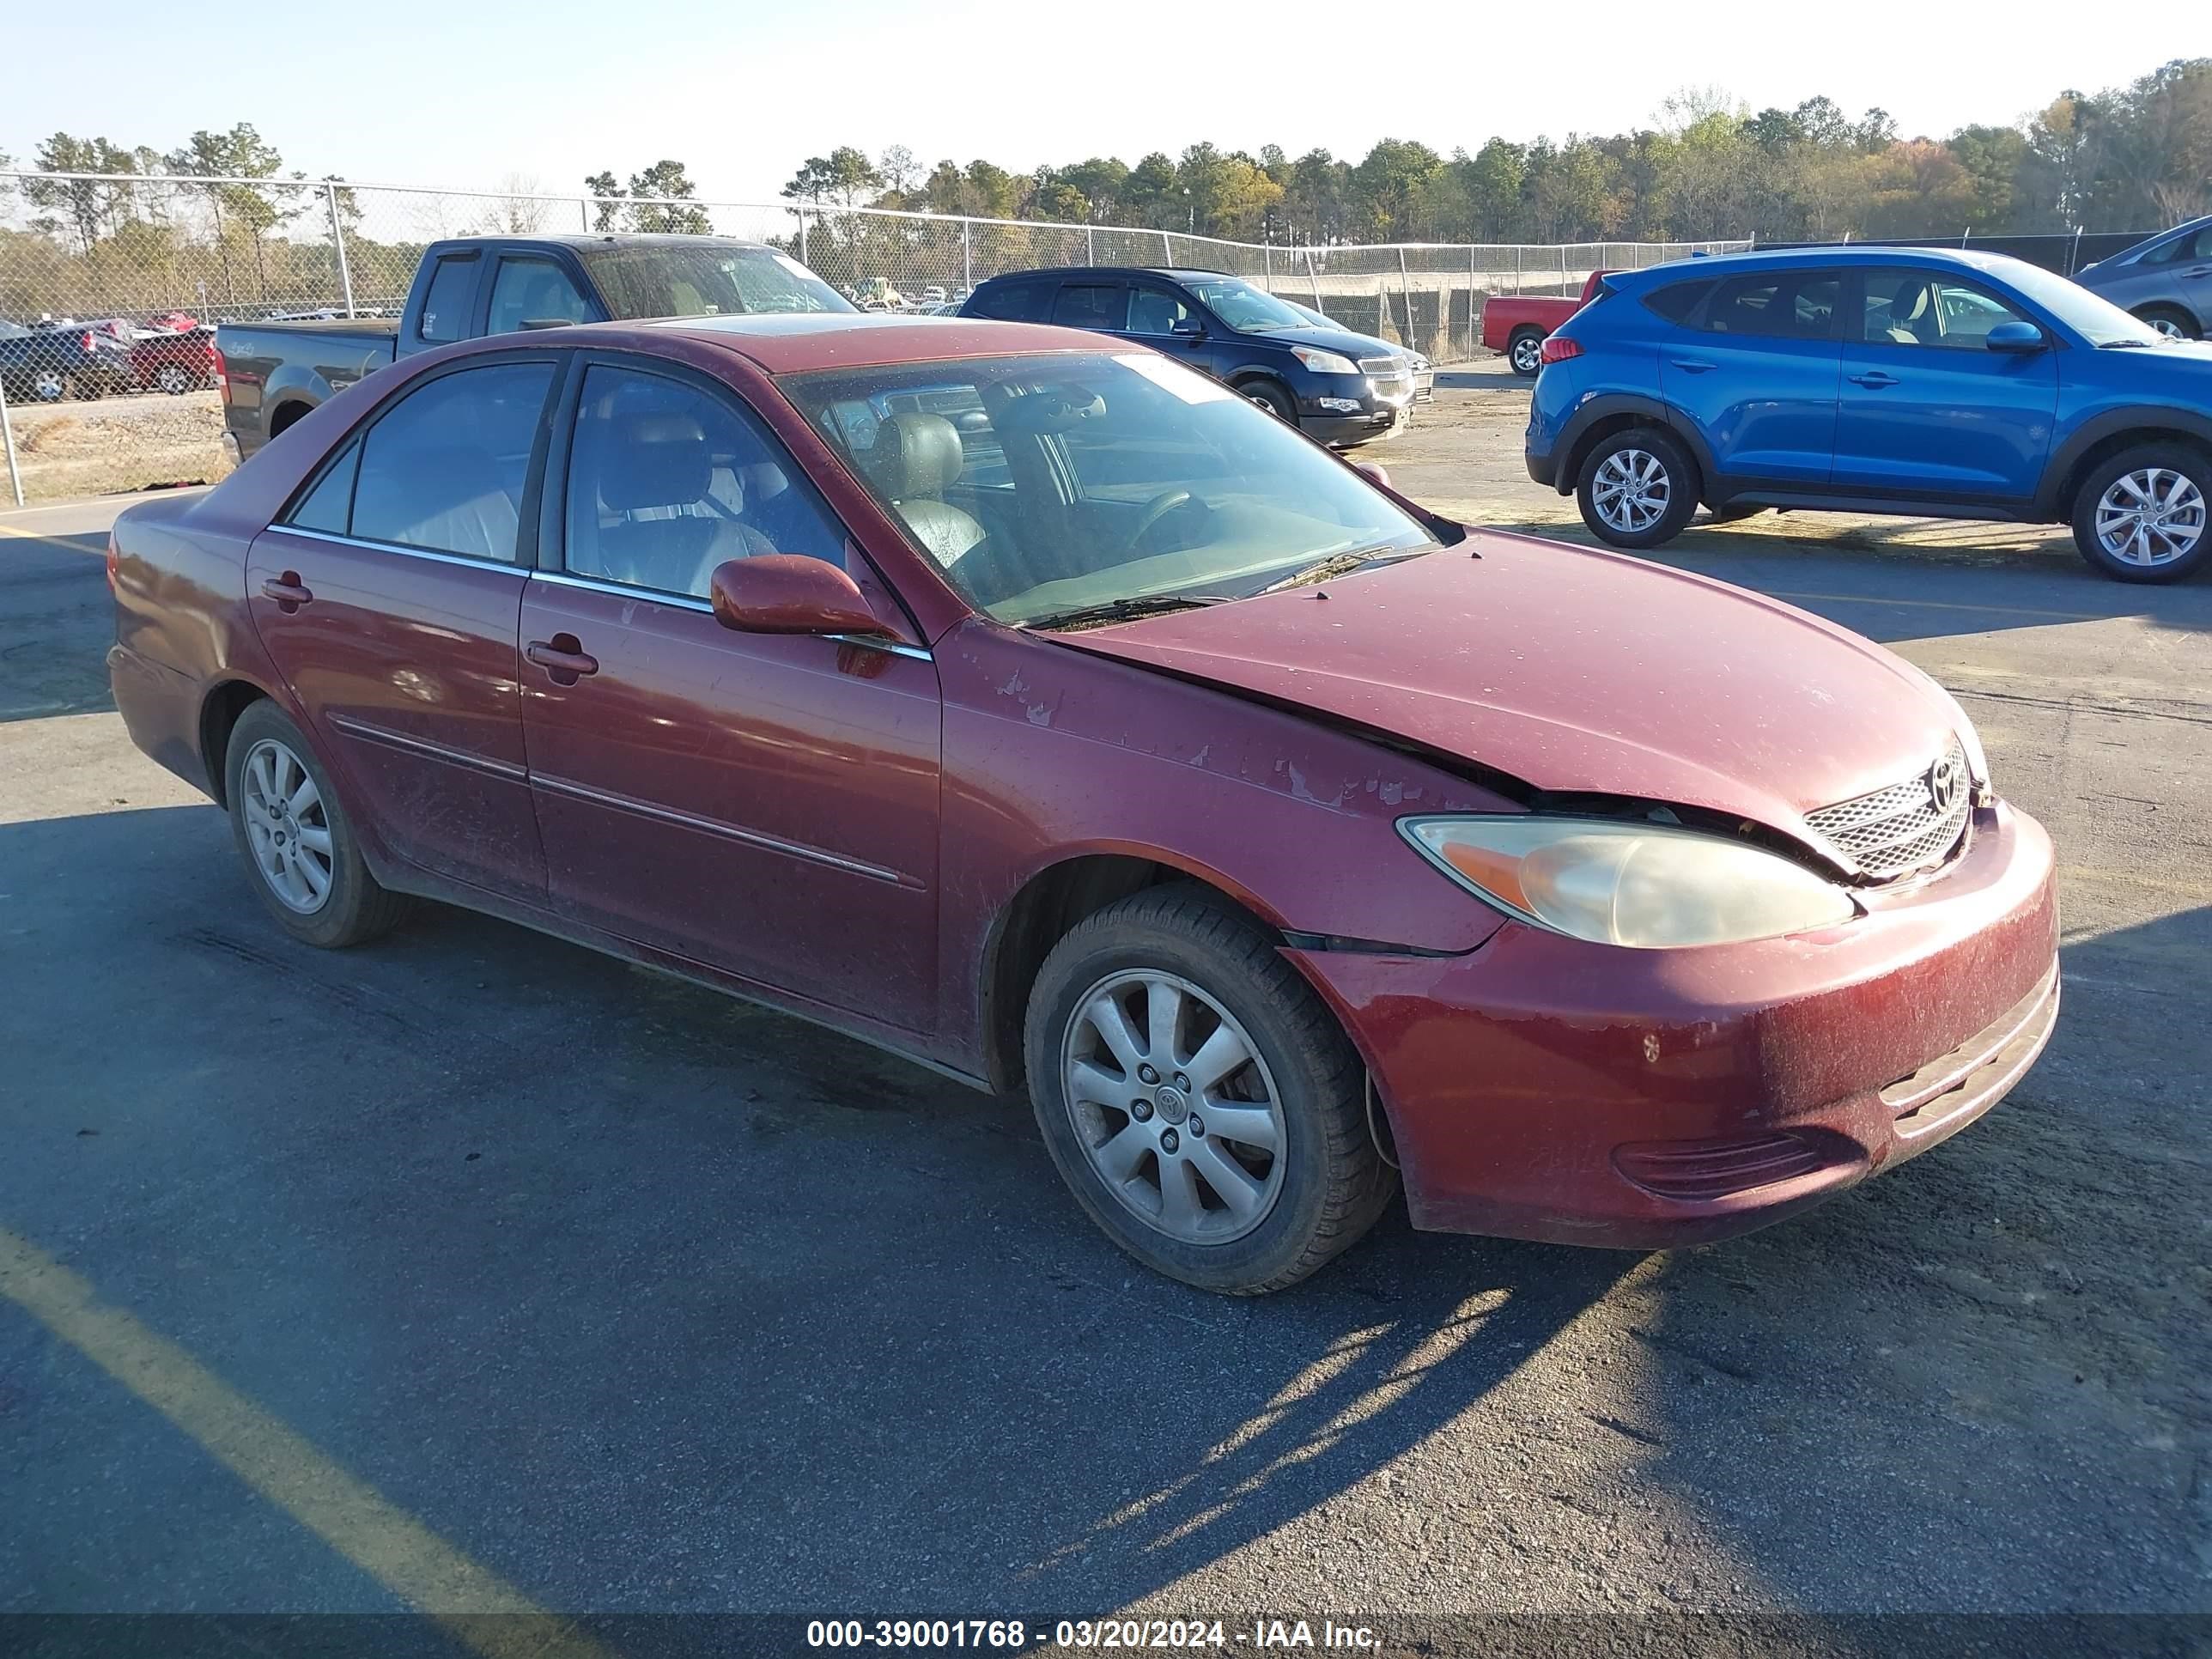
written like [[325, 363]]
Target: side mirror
[[1187, 328], [789, 594], [2015, 337], [1377, 473]]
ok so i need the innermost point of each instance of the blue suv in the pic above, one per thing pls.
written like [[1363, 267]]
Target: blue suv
[[1924, 382]]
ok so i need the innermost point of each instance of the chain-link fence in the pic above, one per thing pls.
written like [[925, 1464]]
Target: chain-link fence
[[112, 286]]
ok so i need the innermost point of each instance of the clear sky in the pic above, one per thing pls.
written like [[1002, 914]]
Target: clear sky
[[465, 94]]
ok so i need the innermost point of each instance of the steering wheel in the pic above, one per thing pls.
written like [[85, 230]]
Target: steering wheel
[[1157, 508]]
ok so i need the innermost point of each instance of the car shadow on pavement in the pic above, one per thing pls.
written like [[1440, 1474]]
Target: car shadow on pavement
[[1994, 1359], [656, 1301]]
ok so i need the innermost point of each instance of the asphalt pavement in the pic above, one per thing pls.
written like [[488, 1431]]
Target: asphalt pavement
[[473, 1270]]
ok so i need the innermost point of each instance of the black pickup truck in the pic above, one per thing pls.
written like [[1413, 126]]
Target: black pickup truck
[[274, 373]]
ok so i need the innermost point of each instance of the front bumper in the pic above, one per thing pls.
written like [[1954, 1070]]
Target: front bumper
[[1368, 420], [1540, 1087]]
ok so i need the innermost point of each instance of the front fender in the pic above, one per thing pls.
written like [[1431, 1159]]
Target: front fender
[[2067, 455], [1052, 753]]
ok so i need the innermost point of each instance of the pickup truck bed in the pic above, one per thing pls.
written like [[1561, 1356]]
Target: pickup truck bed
[[274, 373], [1517, 325]]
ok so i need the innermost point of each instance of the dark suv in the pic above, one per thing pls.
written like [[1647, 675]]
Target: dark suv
[[1339, 387]]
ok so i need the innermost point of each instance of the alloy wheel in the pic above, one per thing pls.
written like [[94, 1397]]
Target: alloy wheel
[[2168, 326], [1173, 1107], [1631, 491], [288, 826], [2150, 517], [1528, 355], [48, 386]]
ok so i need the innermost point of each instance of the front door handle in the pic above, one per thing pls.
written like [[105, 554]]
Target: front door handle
[[1691, 365], [563, 658], [287, 590], [1875, 378]]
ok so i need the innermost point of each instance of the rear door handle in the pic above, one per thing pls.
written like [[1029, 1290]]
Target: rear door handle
[[563, 658], [287, 590], [1873, 377], [1691, 365]]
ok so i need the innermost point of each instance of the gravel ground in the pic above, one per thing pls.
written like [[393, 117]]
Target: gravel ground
[[99, 447], [653, 1302]]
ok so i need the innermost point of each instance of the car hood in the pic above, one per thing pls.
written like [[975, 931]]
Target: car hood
[[1354, 346], [1576, 671]]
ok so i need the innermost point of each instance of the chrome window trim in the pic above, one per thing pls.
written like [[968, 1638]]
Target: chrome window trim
[[470, 561], [690, 601], [563, 578]]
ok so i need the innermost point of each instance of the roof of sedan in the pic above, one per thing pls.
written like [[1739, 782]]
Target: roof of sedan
[[789, 342]]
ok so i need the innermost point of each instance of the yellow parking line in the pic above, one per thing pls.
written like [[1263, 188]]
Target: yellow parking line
[[475, 1604]]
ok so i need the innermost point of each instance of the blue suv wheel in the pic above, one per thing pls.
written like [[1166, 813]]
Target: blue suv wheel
[[1637, 488]]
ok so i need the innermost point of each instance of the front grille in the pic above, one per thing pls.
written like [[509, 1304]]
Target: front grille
[[1903, 827], [1387, 376]]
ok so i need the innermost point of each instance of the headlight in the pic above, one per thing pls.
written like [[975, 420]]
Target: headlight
[[1644, 885], [1324, 362]]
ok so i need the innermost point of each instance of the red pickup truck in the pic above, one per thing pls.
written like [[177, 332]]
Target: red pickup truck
[[1516, 326]]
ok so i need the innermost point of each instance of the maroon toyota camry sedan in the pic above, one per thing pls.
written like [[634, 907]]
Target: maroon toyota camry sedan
[[1038, 709]]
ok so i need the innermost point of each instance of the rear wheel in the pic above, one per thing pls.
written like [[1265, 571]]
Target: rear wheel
[[1525, 351], [1203, 1106], [295, 838], [172, 379], [2171, 321], [1637, 488], [2140, 516], [1274, 398]]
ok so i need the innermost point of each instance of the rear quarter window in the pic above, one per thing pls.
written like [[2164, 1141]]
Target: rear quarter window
[[1676, 300], [1014, 302]]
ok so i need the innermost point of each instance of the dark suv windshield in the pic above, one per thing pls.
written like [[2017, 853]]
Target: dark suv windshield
[[713, 279], [1046, 485], [1243, 307]]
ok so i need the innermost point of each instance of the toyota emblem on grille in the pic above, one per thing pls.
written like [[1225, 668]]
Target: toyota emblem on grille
[[1945, 780]]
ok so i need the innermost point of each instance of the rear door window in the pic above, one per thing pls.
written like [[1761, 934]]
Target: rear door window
[[1156, 311], [443, 469], [1093, 305], [1776, 305], [445, 302], [329, 505]]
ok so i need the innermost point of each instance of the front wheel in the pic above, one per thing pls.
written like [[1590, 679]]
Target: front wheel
[[1525, 351], [172, 379], [1637, 488], [1277, 401], [295, 838], [1205, 1108], [2171, 321], [2140, 516]]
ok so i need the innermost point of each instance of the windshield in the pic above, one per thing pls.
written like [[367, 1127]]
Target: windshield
[[1243, 307], [1041, 485], [712, 279], [2096, 318]]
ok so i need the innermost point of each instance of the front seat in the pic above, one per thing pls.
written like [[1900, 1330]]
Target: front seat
[[913, 458], [654, 476]]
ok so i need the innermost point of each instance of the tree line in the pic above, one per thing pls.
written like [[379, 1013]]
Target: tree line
[[2136, 157]]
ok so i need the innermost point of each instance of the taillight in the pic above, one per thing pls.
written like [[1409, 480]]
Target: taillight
[[114, 561], [87, 342], [221, 372], [1558, 348]]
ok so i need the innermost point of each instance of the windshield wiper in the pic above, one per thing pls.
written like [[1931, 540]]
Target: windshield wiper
[[1114, 610], [1343, 564], [2129, 345]]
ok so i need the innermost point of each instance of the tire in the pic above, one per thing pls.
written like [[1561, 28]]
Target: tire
[[1312, 1195], [346, 906], [172, 379], [49, 387], [1274, 398], [1661, 486], [2176, 538], [2172, 320], [1523, 350]]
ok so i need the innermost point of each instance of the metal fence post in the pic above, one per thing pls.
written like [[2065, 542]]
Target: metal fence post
[[584, 208], [1406, 288], [1314, 278], [1089, 244], [337, 241], [1563, 268], [803, 260], [1267, 264], [967, 253], [1519, 254], [7, 441], [1167, 252], [2074, 253]]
